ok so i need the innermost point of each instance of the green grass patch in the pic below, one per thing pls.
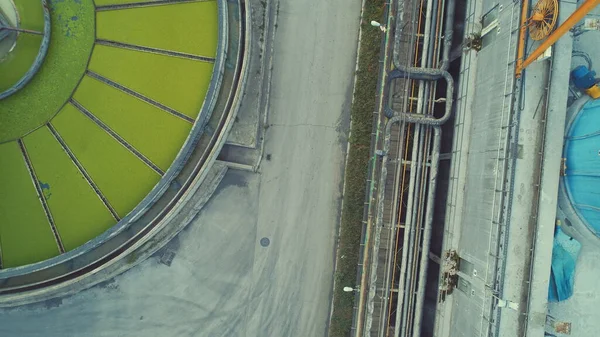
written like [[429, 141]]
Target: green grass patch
[[363, 105], [78, 213], [120, 175], [178, 83], [190, 27], [25, 234], [152, 131], [71, 41]]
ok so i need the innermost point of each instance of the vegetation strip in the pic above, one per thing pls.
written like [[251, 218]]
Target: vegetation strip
[[145, 4], [155, 50], [87, 177], [143, 98], [363, 105], [40, 194], [116, 136]]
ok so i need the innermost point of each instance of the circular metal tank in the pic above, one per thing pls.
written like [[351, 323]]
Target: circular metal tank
[[581, 179]]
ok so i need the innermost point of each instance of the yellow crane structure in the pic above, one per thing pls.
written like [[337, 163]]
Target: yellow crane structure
[[541, 24]]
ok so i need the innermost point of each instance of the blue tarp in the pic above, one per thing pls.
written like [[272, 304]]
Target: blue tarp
[[565, 251]]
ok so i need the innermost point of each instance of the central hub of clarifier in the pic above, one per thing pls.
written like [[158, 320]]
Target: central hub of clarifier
[[8, 37], [24, 40]]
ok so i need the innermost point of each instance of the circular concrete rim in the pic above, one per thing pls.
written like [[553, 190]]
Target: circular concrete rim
[[37, 63], [121, 263], [161, 187]]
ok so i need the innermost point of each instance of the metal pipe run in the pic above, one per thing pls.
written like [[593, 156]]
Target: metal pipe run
[[423, 74], [427, 74], [419, 188], [448, 33], [424, 261], [411, 221], [431, 191], [390, 268], [433, 176], [403, 264]]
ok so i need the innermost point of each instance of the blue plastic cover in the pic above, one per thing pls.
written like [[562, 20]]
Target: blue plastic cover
[[583, 77], [564, 259]]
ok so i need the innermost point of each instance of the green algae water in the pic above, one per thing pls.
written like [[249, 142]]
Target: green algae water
[[156, 134], [178, 83], [64, 176], [123, 178], [78, 213], [25, 236], [185, 20]]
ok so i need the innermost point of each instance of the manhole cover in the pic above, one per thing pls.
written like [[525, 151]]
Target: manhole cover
[[265, 242]]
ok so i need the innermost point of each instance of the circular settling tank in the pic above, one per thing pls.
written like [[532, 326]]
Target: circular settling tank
[[103, 118], [582, 175]]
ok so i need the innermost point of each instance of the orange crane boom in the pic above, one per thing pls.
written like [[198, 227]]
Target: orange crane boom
[[579, 14]]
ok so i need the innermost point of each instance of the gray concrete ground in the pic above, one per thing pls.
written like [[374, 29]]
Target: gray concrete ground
[[496, 211], [476, 199], [549, 182], [222, 281]]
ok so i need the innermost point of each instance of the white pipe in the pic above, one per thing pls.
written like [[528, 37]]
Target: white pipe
[[433, 175], [409, 219], [394, 223], [408, 228], [412, 210]]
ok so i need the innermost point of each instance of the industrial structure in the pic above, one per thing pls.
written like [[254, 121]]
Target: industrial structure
[[482, 216], [108, 128], [464, 234]]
